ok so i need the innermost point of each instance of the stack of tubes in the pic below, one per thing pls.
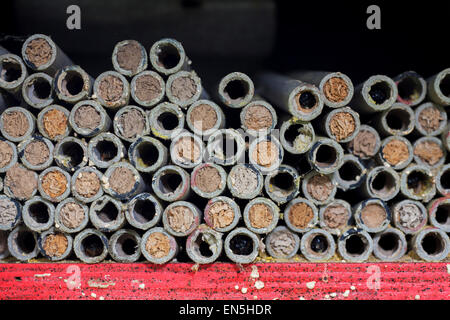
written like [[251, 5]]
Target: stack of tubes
[[142, 163]]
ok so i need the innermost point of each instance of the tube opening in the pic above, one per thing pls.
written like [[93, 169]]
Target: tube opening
[[350, 171], [433, 244], [237, 89], [105, 150], [72, 152], [380, 92], [147, 153], [355, 245], [292, 132], [72, 83], [307, 101], [40, 89], [389, 243], [445, 179], [126, 245], [38, 211], [418, 182], [25, 241], [10, 71], [108, 213], [383, 183], [144, 211], [202, 247], [409, 89], [170, 181], [283, 182], [398, 119], [443, 214], [319, 243], [92, 246], [168, 55], [325, 156], [241, 244], [168, 120], [445, 85]]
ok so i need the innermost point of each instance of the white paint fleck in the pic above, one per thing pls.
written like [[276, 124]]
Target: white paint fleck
[[346, 293], [142, 286], [93, 295], [327, 296], [310, 285], [236, 287], [101, 298], [417, 297], [42, 275], [333, 294], [353, 288], [301, 298], [255, 272], [448, 268], [259, 284], [244, 290], [255, 297]]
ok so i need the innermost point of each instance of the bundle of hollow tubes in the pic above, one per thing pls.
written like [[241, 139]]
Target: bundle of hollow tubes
[[143, 164]]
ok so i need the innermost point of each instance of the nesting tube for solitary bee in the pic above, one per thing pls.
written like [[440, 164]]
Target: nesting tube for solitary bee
[[147, 88], [10, 213], [86, 184], [283, 184], [171, 183], [105, 149], [446, 137], [8, 155], [70, 154], [166, 120], [20, 183], [17, 124], [326, 155], [258, 118], [266, 153], [376, 94], [204, 244], [396, 152], [297, 136], [204, 117], [317, 245], [242, 246], [442, 180], [366, 143], [187, 150], [122, 181], [158, 246], [261, 215], [125, 246], [53, 122], [439, 87], [143, 211], [12, 74], [147, 154], [37, 90], [245, 181], [355, 245], [398, 120], [439, 213], [55, 245], [222, 214], [129, 57], [351, 174], [40, 53], [236, 90], [130, 123], [23, 244], [390, 245], [431, 244], [336, 88], [300, 215], [225, 147], [409, 216], [90, 246], [430, 152], [411, 87], [417, 183], [341, 124], [38, 214], [302, 100], [112, 90], [71, 216], [372, 215], [107, 214], [88, 118], [282, 243], [4, 252], [319, 188], [208, 180], [181, 218], [54, 184], [72, 84], [167, 56], [184, 88], [381, 182], [335, 217], [430, 119]]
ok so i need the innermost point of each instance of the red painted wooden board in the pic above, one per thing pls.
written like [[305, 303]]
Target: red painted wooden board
[[225, 281]]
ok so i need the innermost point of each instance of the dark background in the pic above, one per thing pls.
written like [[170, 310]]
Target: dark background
[[249, 35]]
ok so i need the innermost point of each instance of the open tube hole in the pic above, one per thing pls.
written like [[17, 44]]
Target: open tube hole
[[202, 247], [409, 88], [38, 211], [25, 241], [144, 211], [170, 181], [73, 152], [168, 55], [383, 183], [236, 89], [355, 245], [319, 243], [39, 89], [432, 243], [241, 244], [147, 153], [10, 71], [325, 156], [398, 119], [72, 83], [418, 182], [126, 245], [445, 179], [389, 243], [283, 182], [349, 171], [105, 150], [380, 92], [108, 213], [307, 100], [168, 120], [445, 85], [292, 132], [443, 214], [92, 246]]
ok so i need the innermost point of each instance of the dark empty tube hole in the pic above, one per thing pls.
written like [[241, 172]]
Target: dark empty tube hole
[[40, 89], [168, 56], [398, 119], [144, 211], [432, 243], [147, 154], [108, 213], [203, 247], [126, 245], [380, 92], [170, 181], [292, 133], [10, 71], [445, 85], [307, 100], [418, 182], [325, 156], [445, 180], [319, 243], [283, 181], [25, 242], [73, 152], [241, 244], [38, 211], [105, 150], [383, 183], [72, 83], [92, 246], [168, 120], [409, 88], [389, 243], [443, 214], [236, 89], [355, 245], [3, 242], [349, 171]]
